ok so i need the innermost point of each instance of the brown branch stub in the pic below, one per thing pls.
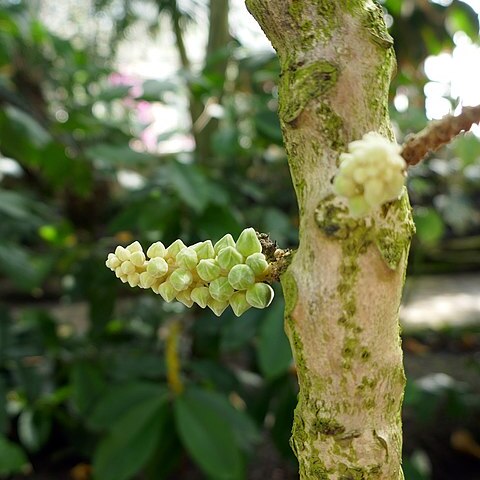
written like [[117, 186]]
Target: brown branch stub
[[436, 134], [277, 258]]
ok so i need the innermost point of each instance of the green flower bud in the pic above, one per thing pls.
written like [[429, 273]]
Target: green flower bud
[[241, 277], [208, 270], [181, 279], [134, 247], [127, 267], [167, 292], [216, 306], [187, 258], [248, 243], [228, 257], [200, 296], [258, 263], [220, 289], [184, 297], [239, 304], [226, 241], [157, 267], [146, 280], [345, 186], [204, 250], [122, 254], [137, 258], [259, 295], [174, 248], [156, 249], [358, 206], [133, 279]]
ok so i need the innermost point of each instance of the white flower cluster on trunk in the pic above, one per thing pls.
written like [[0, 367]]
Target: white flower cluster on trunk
[[371, 173], [214, 276]]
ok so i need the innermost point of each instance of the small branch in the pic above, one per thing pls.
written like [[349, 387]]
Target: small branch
[[277, 258], [436, 134], [172, 358]]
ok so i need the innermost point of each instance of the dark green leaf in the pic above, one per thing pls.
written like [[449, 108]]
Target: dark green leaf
[[87, 385], [273, 350], [208, 439], [119, 399], [12, 458], [190, 185], [132, 440]]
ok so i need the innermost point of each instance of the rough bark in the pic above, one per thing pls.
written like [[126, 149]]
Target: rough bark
[[343, 287]]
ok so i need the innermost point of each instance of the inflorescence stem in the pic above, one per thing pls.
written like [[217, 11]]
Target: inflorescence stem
[[438, 133]]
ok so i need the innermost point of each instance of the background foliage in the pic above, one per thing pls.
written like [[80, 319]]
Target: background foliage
[[83, 359]]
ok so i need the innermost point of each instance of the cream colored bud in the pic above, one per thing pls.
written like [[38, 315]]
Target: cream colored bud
[[157, 267], [358, 206], [127, 267], [374, 192], [216, 306], [156, 249], [167, 292], [248, 243], [181, 279], [345, 186], [185, 298], [134, 247], [174, 248], [146, 280], [204, 250], [187, 258], [200, 296], [118, 272], [259, 295], [228, 257], [226, 241], [241, 277], [112, 261], [258, 263], [208, 270], [220, 289], [122, 254], [239, 304], [123, 278], [138, 259], [134, 279]]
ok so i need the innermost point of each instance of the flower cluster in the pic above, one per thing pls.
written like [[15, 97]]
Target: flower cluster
[[371, 174], [214, 276]]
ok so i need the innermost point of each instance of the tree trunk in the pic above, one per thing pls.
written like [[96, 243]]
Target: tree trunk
[[343, 287]]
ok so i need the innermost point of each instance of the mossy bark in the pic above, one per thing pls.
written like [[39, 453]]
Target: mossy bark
[[343, 287]]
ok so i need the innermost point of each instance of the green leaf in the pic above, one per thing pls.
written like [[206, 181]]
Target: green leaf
[[462, 17], [190, 184], [244, 429], [12, 458], [154, 90], [208, 438], [118, 155], [429, 224], [28, 126], [121, 398], [236, 333], [132, 440], [24, 270], [34, 428], [273, 350], [87, 385]]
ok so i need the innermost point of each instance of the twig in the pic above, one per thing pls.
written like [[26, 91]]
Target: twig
[[417, 146], [277, 258]]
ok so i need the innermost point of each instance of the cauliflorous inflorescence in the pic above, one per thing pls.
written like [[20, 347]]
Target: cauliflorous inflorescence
[[214, 276], [371, 173]]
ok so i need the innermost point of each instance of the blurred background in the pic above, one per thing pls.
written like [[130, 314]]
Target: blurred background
[[155, 120]]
